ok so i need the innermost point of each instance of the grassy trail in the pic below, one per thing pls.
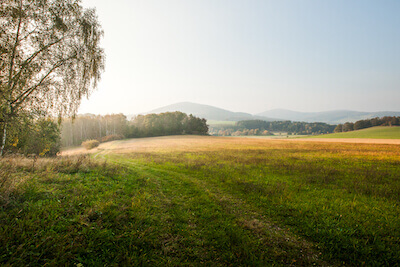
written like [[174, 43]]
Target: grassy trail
[[222, 222]]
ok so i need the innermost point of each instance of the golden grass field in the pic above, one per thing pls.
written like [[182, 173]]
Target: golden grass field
[[212, 143]]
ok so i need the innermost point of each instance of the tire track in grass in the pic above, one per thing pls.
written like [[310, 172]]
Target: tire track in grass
[[251, 237]]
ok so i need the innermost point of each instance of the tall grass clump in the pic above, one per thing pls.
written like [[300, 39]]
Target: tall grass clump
[[15, 171], [90, 144], [51, 209]]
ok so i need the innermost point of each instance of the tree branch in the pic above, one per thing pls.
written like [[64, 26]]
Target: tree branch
[[14, 48], [29, 33], [17, 76], [21, 98]]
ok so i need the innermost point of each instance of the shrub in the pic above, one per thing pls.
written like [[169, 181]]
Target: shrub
[[90, 144], [39, 136], [44, 139], [112, 137]]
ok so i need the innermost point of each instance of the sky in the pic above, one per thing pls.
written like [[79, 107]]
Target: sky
[[248, 55]]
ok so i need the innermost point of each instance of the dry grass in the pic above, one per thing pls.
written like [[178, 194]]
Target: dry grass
[[297, 147], [90, 144]]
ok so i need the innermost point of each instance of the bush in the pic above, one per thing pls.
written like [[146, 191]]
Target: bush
[[39, 136], [112, 137], [44, 139], [90, 144]]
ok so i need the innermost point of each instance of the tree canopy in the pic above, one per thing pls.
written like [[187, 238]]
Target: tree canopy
[[116, 126], [50, 57], [168, 123], [362, 124], [260, 127]]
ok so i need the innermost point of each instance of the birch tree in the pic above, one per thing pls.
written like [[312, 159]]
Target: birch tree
[[50, 57]]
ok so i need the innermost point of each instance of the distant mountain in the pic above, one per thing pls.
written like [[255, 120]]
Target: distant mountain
[[332, 117], [208, 112], [212, 113]]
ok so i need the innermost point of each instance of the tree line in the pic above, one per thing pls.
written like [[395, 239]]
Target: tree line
[[363, 124], [116, 126], [45, 136], [87, 127], [260, 127], [168, 123], [241, 132]]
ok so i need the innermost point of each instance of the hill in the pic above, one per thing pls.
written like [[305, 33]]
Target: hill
[[208, 112], [381, 132], [216, 114], [332, 117]]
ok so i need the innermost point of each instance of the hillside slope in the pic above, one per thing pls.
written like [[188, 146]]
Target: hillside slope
[[380, 132]]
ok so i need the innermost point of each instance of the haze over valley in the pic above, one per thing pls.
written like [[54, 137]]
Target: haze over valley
[[217, 114]]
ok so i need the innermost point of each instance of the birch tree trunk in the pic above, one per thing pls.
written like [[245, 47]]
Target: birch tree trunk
[[3, 143]]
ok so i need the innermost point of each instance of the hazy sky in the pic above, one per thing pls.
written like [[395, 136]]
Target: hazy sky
[[249, 55]]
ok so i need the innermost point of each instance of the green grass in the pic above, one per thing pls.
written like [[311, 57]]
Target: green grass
[[373, 133], [205, 201]]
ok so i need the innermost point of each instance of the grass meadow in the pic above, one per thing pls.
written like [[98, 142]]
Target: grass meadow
[[380, 132], [192, 200]]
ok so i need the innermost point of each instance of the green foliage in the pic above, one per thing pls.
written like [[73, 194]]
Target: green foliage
[[168, 123], [45, 138], [33, 136], [347, 127], [194, 125], [363, 124], [258, 127], [90, 144], [338, 129]]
